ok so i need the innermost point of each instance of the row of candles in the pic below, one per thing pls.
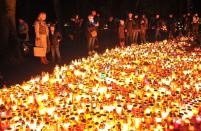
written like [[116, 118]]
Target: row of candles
[[140, 87]]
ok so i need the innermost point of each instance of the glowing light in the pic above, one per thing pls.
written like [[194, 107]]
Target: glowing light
[[152, 86]]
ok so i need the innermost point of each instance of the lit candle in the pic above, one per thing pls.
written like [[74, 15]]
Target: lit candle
[[119, 109]]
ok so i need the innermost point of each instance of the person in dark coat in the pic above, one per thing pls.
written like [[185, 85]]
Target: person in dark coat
[[188, 21], [158, 26], [55, 39], [112, 30], [91, 34], [171, 26], [143, 28], [136, 29], [129, 24], [23, 29], [76, 25]]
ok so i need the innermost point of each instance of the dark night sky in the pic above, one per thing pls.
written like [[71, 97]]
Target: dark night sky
[[28, 9]]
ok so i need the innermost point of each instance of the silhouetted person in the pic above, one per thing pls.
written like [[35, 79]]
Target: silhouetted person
[[76, 26], [96, 19], [91, 33], [171, 26], [111, 28], [185, 23], [23, 30], [143, 28], [188, 23], [55, 39], [136, 29], [158, 25], [195, 22], [129, 24]]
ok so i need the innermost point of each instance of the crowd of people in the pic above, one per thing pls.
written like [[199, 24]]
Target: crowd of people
[[133, 30]]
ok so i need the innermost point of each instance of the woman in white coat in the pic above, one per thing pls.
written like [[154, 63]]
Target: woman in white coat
[[42, 37]]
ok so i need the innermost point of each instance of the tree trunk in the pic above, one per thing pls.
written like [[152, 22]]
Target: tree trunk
[[3, 24], [57, 9], [10, 46], [189, 5], [137, 4]]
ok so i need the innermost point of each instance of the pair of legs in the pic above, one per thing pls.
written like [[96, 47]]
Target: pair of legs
[[195, 28], [130, 37], [91, 43], [122, 42], [55, 51], [135, 36], [43, 42], [143, 35], [157, 34], [44, 60]]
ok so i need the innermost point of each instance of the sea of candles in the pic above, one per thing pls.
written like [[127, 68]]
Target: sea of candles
[[140, 87]]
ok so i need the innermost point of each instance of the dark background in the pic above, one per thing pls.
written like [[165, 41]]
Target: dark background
[[29, 9]]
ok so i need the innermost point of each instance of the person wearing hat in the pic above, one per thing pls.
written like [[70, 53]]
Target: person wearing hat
[[195, 26]]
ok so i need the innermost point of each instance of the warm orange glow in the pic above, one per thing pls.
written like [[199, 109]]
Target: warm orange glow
[[150, 86]]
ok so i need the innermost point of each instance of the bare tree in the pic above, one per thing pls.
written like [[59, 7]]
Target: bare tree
[[137, 4], [57, 9], [189, 5]]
